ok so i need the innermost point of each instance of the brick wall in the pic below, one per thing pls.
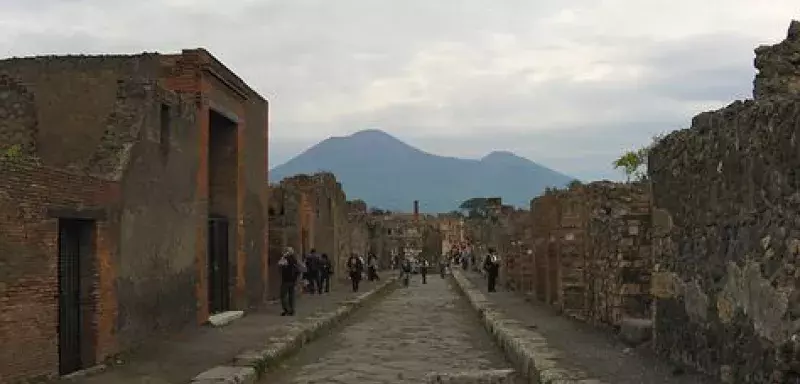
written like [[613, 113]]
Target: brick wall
[[28, 273]]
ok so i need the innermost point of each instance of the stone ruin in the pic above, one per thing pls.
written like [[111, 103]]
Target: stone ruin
[[779, 67], [726, 235]]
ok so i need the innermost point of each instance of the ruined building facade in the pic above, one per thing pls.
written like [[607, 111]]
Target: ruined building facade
[[118, 172], [583, 250]]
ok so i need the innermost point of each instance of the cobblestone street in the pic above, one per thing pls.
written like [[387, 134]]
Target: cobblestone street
[[401, 338]]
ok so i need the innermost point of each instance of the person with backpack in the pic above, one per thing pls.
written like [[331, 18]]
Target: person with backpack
[[313, 272], [355, 266], [290, 269], [492, 267], [325, 273]]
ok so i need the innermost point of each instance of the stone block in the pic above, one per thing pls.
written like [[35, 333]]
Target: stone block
[[636, 331], [495, 376], [224, 318], [227, 375]]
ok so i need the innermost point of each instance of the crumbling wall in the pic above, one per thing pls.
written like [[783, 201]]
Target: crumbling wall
[[325, 191], [618, 261], [591, 254], [568, 266], [545, 219], [358, 229], [726, 236]]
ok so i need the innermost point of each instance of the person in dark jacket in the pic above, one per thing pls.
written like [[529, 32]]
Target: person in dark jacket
[[355, 266], [325, 273], [492, 267], [313, 262], [290, 271]]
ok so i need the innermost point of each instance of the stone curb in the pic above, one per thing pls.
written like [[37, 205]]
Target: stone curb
[[495, 376], [525, 348], [247, 366]]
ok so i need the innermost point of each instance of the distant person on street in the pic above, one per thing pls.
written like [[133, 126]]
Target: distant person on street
[[423, 270], [372, 262], [355, 266], [290, 271], [443, 266], [492, 267], [405, 271], [313, 262], [325, 273]]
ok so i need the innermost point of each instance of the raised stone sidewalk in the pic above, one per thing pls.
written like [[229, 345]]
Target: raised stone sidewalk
[[549, 348], [241, 351], [525, 348]]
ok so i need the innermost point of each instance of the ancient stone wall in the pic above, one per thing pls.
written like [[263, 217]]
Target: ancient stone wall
[[618, 259], [726, 238], [544, 222], [358, 228], [591, 251]]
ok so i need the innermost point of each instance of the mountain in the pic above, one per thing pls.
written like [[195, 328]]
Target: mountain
[[388, 173]]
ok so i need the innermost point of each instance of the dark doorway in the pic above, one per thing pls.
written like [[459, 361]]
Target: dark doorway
[[218, 266], [74, 299], [223, 154]]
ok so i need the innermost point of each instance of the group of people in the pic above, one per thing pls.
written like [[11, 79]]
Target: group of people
[[316, 271], [491, 265]]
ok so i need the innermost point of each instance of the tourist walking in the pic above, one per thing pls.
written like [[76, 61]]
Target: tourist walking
[[325, 273], [372, 267], [355, 266], [423, 270], [313, 262], [492, 267], [405, 271], [291, 269]]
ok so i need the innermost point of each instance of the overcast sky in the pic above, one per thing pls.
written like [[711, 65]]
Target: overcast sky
[[570, 84]]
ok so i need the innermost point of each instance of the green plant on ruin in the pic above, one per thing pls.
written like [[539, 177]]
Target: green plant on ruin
[[11, 154], [574, 184], [634, 163]]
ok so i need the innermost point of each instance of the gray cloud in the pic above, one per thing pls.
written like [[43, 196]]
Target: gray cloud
[[570, 84]]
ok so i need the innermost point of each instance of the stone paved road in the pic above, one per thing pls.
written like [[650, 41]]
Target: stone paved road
[[412, 332]]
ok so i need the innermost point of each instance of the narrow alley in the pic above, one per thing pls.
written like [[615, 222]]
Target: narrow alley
[[414, 331]]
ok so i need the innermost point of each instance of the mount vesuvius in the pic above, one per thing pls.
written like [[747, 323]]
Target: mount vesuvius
[[390, 174]]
